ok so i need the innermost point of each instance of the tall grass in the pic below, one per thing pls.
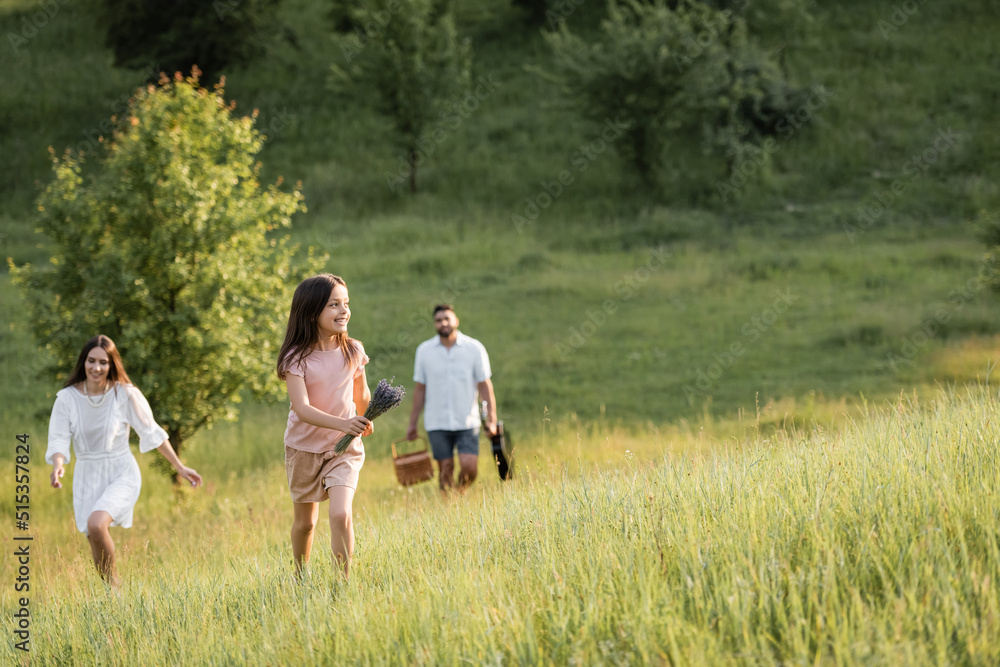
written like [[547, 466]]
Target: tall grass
[[873, 543]]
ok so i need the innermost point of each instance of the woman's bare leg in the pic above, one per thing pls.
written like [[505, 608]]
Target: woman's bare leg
[[102, 547], [342, 526], [303, 529]]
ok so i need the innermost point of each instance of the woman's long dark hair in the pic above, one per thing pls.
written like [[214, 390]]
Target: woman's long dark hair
[[302, 334], [116, 371]]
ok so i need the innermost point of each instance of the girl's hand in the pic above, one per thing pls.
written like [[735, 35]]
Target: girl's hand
[[57, 473], [368, 430], [190, 475], [355, 425]]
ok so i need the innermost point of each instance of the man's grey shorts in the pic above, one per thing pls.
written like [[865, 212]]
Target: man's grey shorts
[[444, 443]]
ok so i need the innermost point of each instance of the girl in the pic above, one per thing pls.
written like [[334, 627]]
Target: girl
[[94, 410], [324, 371]]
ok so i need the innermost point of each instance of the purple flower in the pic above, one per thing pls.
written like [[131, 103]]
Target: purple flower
[[385, 398]]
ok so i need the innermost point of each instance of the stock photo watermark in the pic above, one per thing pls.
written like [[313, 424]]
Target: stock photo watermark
[[695, 46], [362, 36], [118, 106], [581, 160], [653, 354], [750, 331], [31, 371], [277, 121], [30, 26], [913, 169], [452, 118], [786, 127], [899, 17], [930, 327], [417, 325], [22, 554], [561, 12], [626, 288]]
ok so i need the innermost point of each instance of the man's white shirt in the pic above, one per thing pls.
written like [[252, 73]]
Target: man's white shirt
[[451, 376]]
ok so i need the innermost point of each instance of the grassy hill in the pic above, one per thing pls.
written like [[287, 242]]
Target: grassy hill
[[540, 297], [708, 471]]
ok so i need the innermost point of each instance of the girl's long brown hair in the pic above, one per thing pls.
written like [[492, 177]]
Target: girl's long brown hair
[[302, 334], [116, 371]]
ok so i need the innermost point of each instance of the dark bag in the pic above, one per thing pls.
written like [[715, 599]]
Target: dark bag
[[503, 450], [503, 453], [414, 467]]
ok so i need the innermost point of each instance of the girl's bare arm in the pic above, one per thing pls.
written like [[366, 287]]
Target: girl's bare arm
[[362, 397], [310, 414]]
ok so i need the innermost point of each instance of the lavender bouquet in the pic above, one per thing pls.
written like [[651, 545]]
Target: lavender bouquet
[[385, 398]]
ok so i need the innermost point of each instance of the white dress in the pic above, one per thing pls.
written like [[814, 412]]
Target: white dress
[[106, 476]]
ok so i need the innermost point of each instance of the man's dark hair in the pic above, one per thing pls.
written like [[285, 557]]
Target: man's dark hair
[[442, 306]]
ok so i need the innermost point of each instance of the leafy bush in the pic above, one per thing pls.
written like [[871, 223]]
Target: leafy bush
[[672, 73], [168, 250]]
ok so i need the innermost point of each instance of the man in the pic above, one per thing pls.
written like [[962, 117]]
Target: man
[[449, 370]]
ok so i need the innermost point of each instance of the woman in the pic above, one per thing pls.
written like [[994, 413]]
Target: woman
[[94, 410]]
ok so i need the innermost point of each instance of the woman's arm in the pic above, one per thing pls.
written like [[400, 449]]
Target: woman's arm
[[57, 471], [183, 472], [60, 431], [299, 397]]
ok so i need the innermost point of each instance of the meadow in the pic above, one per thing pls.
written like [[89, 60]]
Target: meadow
[[872, 543], [753, 431]]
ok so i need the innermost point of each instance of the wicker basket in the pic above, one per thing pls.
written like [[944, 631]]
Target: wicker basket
[[414, 467]]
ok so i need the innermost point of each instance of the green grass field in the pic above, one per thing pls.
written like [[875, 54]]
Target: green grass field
[[875, 543], [852, 323], [749, 432]]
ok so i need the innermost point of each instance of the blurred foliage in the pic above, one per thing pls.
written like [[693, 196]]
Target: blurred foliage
[[358, 16], [989, 232], [666, 74], [782, 21], [407, 58], [167, 248], [176, 36], [536, 12]]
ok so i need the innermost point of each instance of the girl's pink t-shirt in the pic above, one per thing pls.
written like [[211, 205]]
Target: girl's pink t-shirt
[[330, 386]]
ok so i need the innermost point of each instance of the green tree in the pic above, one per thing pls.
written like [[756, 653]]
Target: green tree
[[407, 57], [668, 74], [169, 248], [178, 35]]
